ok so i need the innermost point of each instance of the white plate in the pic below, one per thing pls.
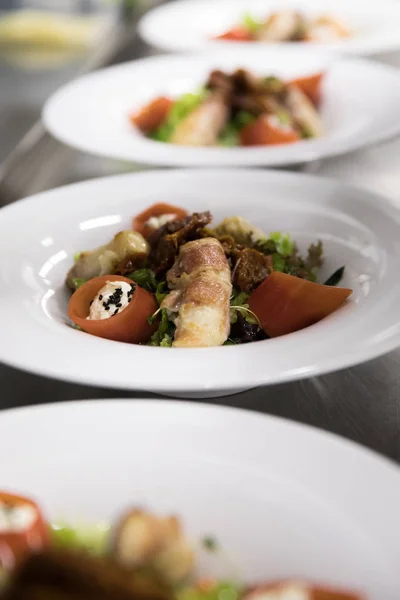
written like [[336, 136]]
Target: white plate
[[360, 107], [39, 236], [189, 24], [282, 500]]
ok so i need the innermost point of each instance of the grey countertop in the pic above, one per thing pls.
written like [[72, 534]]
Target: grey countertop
[[361, 403]]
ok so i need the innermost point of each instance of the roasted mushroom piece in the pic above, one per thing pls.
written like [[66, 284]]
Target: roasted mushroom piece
[[142, 539], [105, 259]]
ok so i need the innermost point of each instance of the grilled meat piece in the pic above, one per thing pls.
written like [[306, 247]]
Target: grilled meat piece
[[282, 26], [219, 81], [251, 269], [64, 575], [165, 242], [204, 124], [304, 113]]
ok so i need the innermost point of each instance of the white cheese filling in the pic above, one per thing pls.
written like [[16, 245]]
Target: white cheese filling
[[16, 518], [157, 222], [110, 300]]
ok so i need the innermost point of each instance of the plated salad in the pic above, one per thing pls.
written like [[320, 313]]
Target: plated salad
[[287, 25], [236, 109], [142, 556], [176, 280]]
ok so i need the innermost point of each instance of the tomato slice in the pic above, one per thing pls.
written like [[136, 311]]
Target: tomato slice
[[285, 304], [236, 34], [24, 529], [130, 325], [263, 132], [310, 86], [152, 115], [139, 223]]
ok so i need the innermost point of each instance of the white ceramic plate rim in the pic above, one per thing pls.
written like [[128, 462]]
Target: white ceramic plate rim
[[352, 482], [156, 20], [182, 410], [57, 338], [59, 117]]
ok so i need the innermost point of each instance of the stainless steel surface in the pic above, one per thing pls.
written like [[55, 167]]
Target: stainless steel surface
[[361, 403]]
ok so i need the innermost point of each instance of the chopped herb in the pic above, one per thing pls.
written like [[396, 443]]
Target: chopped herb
[[250, 23], [78, 281], [145, 278], [77, 256], [335, 278], [210, 543]]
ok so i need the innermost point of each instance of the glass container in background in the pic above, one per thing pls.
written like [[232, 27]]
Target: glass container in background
[[43, 44]]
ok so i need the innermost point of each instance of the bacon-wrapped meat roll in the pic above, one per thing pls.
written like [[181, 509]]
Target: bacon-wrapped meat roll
[[201, 284]]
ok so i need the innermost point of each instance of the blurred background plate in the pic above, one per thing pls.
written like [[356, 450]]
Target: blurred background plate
[[360, 101], [280, 499], [189, 24]]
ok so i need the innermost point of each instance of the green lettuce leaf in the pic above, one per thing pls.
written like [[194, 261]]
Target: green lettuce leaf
[[78, 281], [165, 332], [179, 111], [221, 591], [250, 22], [145, 278], [91, 538]]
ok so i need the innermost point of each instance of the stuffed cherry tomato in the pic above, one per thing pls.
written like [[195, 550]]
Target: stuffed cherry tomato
[[23, 529], [156, 216], [115, 308]]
